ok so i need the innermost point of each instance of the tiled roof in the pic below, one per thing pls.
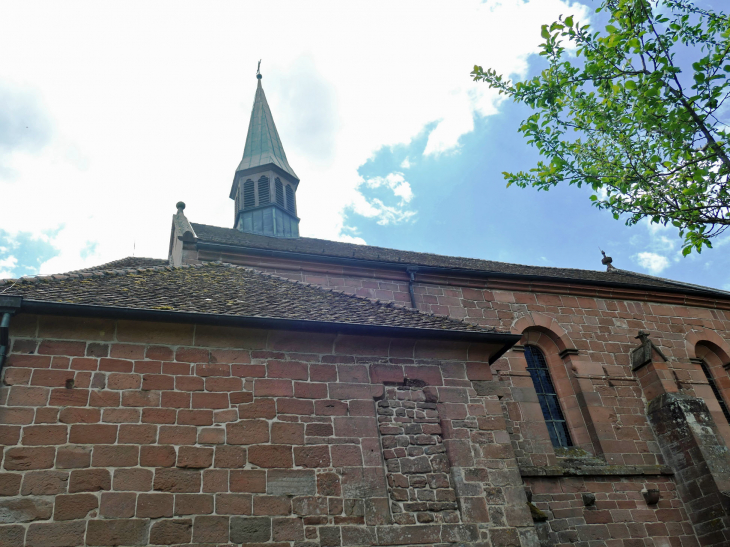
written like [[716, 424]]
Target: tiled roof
[[128, 262], [337, 249], [224, 289]]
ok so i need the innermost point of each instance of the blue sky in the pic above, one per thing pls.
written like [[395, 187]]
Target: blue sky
[[463, 207], [394, 143]]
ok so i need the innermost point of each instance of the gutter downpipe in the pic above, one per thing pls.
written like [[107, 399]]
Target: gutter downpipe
[[9, 305], [411, 270]]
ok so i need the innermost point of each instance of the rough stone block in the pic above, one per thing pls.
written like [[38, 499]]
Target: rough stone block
[[169, 532], [16, 510], [291, 483], [117, 532], [250, 529]]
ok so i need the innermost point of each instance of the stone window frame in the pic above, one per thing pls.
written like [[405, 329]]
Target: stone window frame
[[560, 426], [715, 359], [564, 381], [708, 345]]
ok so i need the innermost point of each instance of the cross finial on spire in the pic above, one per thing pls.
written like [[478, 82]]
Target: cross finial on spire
[[258, 71]]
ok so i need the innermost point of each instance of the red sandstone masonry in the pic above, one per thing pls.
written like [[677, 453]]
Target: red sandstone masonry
[[604, 402], [135, 446], [602, 330]]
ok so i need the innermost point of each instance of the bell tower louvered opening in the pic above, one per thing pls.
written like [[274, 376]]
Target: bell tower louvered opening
[[264, 185], [264, 192], [290, 205], [249, 195], [279, 189]]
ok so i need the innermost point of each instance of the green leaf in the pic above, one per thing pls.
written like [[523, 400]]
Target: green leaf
[[605, 117]]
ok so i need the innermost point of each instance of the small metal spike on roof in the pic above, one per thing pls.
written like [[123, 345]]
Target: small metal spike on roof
[[263, 145]]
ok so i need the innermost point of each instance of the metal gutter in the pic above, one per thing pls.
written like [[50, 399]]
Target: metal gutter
[[9, 305], [458, 271], [85, 310]]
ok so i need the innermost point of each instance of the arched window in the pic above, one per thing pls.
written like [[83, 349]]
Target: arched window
[[548, 398], [279, 192], [715, 390], [249, 198], [290, 205], [264, 193]]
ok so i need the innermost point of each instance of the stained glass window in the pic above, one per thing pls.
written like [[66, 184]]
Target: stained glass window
[[554, 418]]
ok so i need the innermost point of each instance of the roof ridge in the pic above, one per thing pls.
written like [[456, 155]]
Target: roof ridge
[[672, 281], [439, 255], [85, 274], [110, 265], [340, 250]]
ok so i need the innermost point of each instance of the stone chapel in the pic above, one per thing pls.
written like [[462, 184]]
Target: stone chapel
[[262, 388]]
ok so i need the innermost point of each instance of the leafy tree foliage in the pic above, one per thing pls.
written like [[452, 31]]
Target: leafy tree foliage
[[636, 112]]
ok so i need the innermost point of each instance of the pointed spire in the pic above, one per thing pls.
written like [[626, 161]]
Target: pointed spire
[[263, 145]]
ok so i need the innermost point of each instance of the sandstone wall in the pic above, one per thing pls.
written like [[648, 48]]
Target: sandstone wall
[[587, 339], [125, 433]]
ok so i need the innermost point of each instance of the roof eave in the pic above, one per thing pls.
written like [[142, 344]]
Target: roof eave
[[507, 340]]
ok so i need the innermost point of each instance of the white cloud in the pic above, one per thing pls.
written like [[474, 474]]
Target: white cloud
[[7, 265], [157, 110], [395, 182], [653, 262], [721, 242], [9, 262], [375, 208], [656, 227], [661, 246], [405, 164]]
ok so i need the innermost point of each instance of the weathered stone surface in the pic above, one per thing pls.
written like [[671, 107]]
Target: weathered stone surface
[[16, 510], [694, 449], [282, 482], [117, 532], [250, 529]]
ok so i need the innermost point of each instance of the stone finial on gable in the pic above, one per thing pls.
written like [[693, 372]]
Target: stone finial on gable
[[182, 232]]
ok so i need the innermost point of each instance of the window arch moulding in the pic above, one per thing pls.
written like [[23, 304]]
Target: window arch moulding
[[710, 355], [567, 348], [552, 342], [709, 338]]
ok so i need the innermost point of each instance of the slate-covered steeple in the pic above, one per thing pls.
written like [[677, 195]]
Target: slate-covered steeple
[[265, 185]]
